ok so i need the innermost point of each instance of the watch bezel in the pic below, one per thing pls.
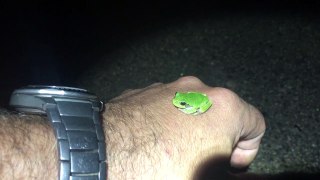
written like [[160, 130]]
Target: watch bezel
[[56, 91], [33, 98]]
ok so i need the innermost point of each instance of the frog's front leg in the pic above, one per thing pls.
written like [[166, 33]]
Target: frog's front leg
[[189, 110]]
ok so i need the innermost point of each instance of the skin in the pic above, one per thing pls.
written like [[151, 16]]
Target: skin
[[146, 137], [192, 102]]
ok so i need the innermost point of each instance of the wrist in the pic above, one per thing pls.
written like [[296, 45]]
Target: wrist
[[133, 149]]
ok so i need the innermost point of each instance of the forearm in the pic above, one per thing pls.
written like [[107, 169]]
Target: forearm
[[28, 147]]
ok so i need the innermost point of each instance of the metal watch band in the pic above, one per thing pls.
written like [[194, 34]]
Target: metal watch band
[[80, 138]]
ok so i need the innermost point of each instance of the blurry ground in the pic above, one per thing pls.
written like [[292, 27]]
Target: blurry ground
[[268, 56]]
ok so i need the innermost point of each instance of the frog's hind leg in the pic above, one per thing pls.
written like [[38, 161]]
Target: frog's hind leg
[[204, 108]]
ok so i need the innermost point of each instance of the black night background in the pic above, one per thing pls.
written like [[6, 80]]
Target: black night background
[[268, 52]]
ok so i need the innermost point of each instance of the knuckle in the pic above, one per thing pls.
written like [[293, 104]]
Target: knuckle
[[226, 93], [189, 79], [230, 98]]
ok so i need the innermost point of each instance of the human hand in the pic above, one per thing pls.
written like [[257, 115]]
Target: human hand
[[148, 138]]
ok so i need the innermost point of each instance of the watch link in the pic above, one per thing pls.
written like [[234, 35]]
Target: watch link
[[74, 115]]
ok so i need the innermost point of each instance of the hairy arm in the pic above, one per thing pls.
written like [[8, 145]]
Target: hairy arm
[[27, 147], [146, 136]]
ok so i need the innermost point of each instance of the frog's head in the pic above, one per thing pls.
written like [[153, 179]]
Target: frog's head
[[179, 101]]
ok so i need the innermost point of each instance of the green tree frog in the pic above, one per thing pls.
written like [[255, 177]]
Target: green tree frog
[[192, 102]]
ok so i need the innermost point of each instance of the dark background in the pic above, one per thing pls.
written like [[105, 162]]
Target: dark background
[[54, 42], [265, 51]]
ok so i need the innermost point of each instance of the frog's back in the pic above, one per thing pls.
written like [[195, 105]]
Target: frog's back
[[195, 96]]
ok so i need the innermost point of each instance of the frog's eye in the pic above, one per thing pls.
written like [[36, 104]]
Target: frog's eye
[[182, 103]]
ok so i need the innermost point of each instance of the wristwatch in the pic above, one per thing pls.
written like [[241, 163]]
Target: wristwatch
[[74, 115]]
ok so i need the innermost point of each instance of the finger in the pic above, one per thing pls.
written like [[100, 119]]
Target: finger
[[247, 147], [245, 152]]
